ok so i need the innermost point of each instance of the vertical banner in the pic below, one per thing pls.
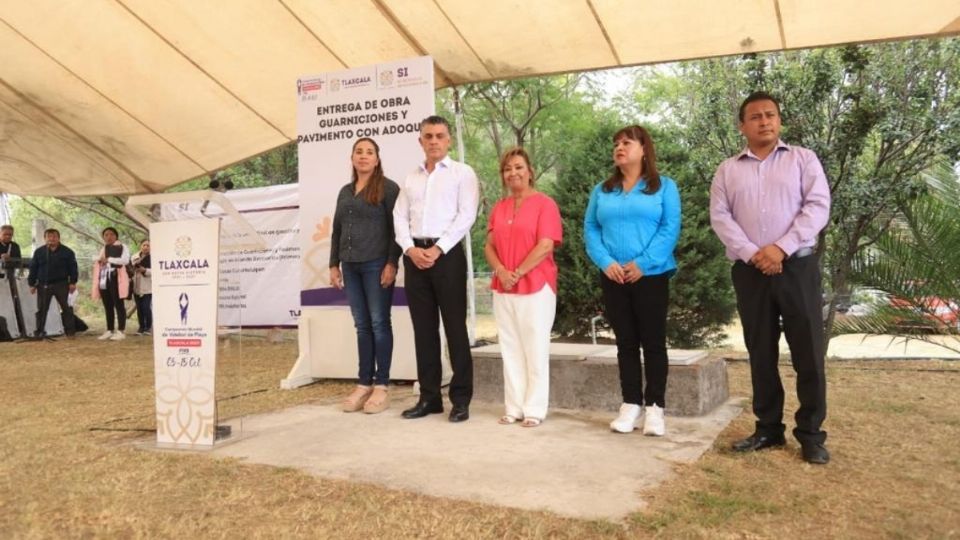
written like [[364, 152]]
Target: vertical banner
[[385, 102], [185, 290]]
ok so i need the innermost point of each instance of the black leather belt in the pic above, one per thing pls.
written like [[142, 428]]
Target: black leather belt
[[801, 253], [425, 242]]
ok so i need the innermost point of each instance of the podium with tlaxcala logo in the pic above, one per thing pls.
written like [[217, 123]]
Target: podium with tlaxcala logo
[[186, 284]]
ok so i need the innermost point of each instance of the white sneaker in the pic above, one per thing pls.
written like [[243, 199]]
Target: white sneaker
[[106, 335], [117, 336], [627, 421], [653, 423]]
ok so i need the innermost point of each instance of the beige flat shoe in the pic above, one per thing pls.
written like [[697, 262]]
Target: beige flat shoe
[[356, 400], [379, 400]]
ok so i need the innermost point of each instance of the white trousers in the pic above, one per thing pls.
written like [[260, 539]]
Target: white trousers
[[524, 322]]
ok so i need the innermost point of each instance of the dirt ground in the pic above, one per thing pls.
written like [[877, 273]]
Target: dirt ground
[[70, 412]]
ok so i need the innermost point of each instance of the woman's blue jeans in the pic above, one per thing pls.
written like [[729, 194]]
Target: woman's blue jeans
[[370, 305]]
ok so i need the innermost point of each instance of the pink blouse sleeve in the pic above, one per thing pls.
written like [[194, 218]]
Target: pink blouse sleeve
[[549, 224]]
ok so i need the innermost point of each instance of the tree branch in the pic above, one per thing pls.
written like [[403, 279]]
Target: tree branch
[[58, 220]]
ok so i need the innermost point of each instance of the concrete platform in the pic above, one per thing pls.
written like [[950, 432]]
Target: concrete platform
[[572, 464], [584, 376]]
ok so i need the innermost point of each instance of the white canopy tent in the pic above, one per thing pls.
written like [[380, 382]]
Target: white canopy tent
[[134, 96]]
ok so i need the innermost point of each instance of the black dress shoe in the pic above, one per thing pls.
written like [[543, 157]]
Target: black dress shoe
[[758, 442], [421, 409], [815, 453], [459, 413]]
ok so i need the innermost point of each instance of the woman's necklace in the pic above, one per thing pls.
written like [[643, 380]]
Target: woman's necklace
[[517, 202]]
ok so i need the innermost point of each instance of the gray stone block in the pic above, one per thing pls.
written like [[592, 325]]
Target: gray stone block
[[584, 376]]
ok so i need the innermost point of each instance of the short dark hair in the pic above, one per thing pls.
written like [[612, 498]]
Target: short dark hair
[[435, 120], [111, 229], [52, 231], [758, 96], [6, 228]]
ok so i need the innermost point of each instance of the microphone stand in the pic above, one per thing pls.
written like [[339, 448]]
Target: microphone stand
[[15, 295]]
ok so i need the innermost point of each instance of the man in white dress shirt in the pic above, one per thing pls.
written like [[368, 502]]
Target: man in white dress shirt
[[434, 212]]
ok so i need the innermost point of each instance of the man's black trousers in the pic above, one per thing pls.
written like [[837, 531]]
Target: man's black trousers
[[44, 294], [793, 299], [435, 294]]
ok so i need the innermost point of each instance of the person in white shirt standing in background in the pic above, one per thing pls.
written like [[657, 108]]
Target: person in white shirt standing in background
[[111, 284]]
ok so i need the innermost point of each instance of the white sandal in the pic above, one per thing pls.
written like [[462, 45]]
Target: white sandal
[[507, 420]]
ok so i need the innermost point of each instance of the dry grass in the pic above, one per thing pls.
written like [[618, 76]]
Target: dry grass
[[894, 431]]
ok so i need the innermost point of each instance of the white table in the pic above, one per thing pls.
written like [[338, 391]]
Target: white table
[[28, 305]]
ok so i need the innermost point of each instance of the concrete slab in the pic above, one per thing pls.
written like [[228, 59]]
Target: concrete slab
[[587, 377], [595, 353], [558, 351], [571, 465], [675, 357], [862, 346]]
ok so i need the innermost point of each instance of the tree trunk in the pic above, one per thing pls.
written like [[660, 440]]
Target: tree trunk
[[831, 315], [839, 287]]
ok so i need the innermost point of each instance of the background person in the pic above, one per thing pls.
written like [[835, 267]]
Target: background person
[[8, 248], [523, 230], [631, 228], [434, 212], [768, 204], [111, 284], [53, 272], [143, 289], [363, 245], [9, 251]]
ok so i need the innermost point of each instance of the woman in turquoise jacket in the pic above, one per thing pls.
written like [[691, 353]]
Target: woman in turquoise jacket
[[631, 229]]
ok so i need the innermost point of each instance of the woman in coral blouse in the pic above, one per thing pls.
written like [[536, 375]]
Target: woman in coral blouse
[[523, 231]]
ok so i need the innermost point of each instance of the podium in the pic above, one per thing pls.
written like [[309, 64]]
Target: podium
[[186, 281]]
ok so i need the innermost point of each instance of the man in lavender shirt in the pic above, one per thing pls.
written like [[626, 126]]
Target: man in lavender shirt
[[768, 204]]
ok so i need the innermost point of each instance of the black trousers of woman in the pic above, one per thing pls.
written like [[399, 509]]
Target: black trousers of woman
[[637, 312], [113, 303]]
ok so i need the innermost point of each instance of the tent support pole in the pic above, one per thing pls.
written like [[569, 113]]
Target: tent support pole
[[468, 244]]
